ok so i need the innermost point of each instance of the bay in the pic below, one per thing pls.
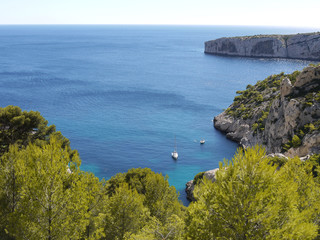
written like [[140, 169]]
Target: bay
[[122, 93]]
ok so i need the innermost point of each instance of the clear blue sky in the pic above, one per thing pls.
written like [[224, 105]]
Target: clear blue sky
[[208, 12]]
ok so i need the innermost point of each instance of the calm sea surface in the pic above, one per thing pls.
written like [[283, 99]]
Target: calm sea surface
[[122, 93]]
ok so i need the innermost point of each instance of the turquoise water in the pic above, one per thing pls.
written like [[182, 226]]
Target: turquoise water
[[122, 93]]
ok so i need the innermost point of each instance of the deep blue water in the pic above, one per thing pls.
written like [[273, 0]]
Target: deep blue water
[[122, 93]]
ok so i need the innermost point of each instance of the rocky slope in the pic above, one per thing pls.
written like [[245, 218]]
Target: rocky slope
[[282, 113], [298, 46]]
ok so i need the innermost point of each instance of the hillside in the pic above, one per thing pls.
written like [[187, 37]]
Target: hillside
[[281, 113]]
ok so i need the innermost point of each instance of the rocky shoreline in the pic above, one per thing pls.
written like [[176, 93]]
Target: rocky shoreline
[[293, 110], [281, 113], [298, 46]]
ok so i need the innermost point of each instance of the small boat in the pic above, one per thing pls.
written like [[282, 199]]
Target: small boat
[[174, 154], [202, 141]]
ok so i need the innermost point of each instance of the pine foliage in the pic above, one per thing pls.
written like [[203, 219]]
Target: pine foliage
[[45, 195], [251, 199]]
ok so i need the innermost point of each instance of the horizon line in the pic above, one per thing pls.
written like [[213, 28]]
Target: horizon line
[[151, 24]]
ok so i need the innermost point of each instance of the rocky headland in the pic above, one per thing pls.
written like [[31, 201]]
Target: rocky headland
[[297, 46], [281, 113]]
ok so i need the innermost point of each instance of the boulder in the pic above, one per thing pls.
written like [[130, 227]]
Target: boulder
[[189, 191], [211, 175], [308, 75], [285, 88]]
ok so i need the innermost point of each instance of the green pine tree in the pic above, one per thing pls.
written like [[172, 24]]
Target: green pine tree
[[251, 199], [46, 196], [124, 212]]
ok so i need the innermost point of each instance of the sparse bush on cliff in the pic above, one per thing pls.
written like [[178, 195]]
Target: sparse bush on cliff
[[296, 141], [274, 115], [293, 76], [317, 98], [198, 178], [251, 98]]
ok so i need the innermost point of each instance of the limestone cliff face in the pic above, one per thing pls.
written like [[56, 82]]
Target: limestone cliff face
[[281, 112], [286, 120], [299, 46]]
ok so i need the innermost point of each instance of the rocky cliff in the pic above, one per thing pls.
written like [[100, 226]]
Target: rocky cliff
[[298, 46], [281, 112]]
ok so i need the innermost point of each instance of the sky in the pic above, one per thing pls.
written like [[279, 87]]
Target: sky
[[297, 13]]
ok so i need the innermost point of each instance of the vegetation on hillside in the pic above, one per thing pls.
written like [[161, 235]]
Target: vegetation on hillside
[[45, 195], [253, 199], [20, 128], [256, 100], [253, 106]]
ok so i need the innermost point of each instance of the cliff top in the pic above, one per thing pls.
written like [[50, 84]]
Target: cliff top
[[278, 36]]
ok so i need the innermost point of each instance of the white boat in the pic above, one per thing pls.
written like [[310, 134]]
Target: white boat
[[175, 154], [202, 141]]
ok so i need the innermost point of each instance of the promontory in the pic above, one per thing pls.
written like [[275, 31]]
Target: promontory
[[297, 46], [281, 113]]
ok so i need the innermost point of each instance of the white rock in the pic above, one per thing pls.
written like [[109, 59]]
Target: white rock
[[307, 75], [285, 88], [211, 174]]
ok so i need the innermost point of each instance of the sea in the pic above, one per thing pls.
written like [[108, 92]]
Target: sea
[[122, 94]]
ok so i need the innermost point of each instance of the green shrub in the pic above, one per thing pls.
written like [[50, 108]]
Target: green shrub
[[286, 146], [276, 83], [254, 127], [278, 161], [259, 98], [301, 133], [317, 98], [198, 178], [249, 86], [309, 127], [296, 141], [293, 76], [315, 162]]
